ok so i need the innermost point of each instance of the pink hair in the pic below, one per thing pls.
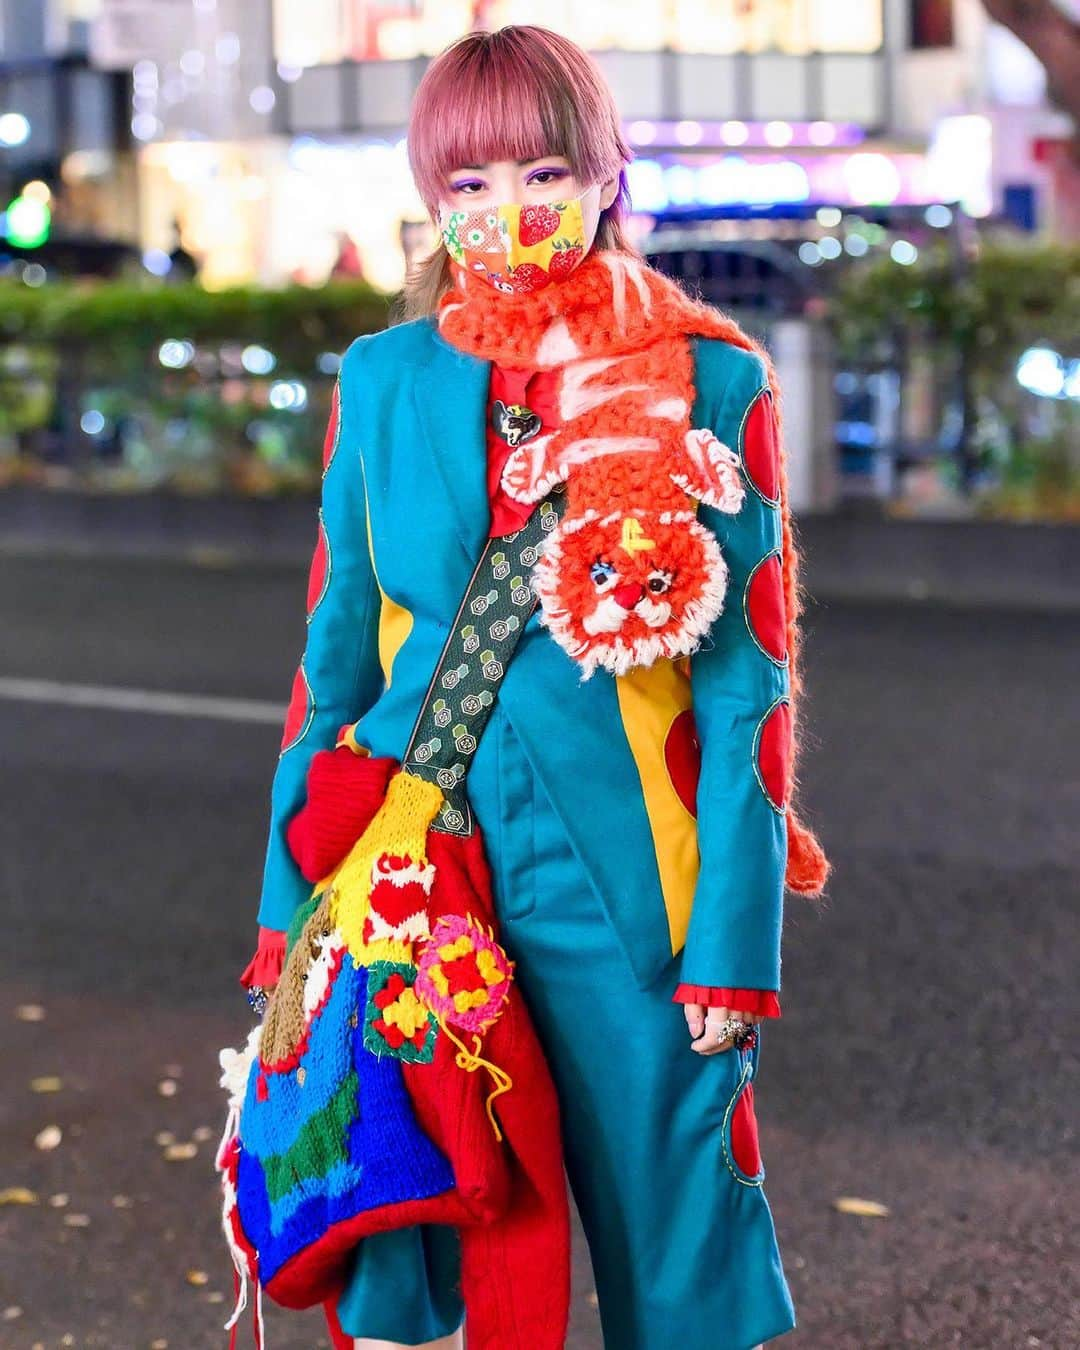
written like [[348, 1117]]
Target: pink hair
[[518, 93]]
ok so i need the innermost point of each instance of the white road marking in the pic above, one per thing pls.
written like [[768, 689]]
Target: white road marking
[[141, 700]]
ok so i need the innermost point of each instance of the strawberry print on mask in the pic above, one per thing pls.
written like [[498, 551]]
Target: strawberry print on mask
[[517, 249]]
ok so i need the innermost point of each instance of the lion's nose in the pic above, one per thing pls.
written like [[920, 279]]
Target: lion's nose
[[629, 593]]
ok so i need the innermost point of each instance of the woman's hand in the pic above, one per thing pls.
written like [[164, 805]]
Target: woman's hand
[[703, 1024]]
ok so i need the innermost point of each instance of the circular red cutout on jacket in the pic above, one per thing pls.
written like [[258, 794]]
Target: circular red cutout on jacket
[[682, 755], [297, 714], [330, 440], [774, 754], [764, 607], [317, 575], [760, 451], [745, 1148]]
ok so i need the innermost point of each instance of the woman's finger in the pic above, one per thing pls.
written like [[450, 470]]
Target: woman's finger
[[695, 1019], [709, 1043]]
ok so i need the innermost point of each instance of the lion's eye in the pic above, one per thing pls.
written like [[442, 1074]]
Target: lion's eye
[[604, 574], [659, 582]]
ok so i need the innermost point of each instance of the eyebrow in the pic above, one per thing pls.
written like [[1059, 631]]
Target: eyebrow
[[520, 162]]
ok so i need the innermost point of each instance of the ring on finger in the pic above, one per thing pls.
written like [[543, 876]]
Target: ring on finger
[[735, 1030]]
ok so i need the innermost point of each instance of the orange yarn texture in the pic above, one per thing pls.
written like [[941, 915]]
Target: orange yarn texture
[[621, 334]]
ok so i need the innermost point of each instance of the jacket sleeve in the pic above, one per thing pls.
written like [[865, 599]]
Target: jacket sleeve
[[339, 675], [739, 685]]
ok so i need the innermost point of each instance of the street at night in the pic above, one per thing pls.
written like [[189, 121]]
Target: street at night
[[926, 1059]]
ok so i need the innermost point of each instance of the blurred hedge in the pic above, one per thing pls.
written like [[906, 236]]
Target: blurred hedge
[[297, 322], [990, 307], [971, 319], [68, 349]]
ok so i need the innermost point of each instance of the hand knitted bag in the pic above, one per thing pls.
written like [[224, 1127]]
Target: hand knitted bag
[[365, 1100], [631, 575]]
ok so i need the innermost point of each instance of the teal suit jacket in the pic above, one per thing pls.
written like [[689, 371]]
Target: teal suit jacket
[[403, 519]]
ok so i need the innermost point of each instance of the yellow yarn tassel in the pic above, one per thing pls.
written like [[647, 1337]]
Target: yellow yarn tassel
[[399, 827], [470, 1061]]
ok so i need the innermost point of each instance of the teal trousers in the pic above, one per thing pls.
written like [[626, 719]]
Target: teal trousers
[[683, 1245]]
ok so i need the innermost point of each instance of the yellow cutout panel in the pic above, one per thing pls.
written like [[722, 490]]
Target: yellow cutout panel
[[650, 699], [395, 621]]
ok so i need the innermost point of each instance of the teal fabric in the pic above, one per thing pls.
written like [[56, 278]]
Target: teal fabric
[[735, 923], [684, 1249], [410, 450], [404, 1286], [683, 1245]]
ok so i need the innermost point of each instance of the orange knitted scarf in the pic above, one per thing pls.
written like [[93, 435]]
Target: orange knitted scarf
[[630, 576]]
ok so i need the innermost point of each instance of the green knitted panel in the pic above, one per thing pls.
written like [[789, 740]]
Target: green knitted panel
[[322, 1142]]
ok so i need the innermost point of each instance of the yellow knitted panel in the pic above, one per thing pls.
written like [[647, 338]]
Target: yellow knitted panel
[[399, 827]]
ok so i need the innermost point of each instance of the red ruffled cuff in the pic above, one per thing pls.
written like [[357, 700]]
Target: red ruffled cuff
[[264, 968], [763, 1001]]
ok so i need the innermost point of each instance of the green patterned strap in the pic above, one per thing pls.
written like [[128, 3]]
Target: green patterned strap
[[489, 623]]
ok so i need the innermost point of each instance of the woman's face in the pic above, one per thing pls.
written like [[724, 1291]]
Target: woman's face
[[550, 179]]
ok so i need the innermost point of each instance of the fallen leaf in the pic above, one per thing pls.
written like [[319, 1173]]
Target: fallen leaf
[[59, 1200], [77, 1220], [18, 1195], [215, 1296], [198, 1278], [48, 1138], [164, 1138], [168, 1087], [67, 1338], [181, 1152], [47, 1083], [121, 1202], [202, 1134], [160, 1344], [851, 1204], [30, 1012], [13, 1313]]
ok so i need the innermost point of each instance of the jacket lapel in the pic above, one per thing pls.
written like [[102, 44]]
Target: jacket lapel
[[450, 389]]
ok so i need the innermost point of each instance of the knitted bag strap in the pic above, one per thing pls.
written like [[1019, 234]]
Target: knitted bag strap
[[490, 622]]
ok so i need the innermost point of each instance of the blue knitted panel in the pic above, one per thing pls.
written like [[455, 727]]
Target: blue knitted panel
[[388, 1157]]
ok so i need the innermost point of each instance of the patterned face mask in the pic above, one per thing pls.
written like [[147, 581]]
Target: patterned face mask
[[517, 249]]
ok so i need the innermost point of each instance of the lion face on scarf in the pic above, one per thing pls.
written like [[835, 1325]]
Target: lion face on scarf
[[625, 588]]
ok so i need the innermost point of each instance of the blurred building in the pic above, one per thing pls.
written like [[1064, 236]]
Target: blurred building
[[64, 130], [270, 129], [776, 143]]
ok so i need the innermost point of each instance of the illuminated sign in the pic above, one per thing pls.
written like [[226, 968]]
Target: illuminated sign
[[312, 32], [864, 178], [738, 134]]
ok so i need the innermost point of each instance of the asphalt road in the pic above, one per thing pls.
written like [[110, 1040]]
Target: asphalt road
[[927, 1059]]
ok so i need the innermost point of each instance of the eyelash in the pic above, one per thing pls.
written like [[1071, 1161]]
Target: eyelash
[[554, 175]]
